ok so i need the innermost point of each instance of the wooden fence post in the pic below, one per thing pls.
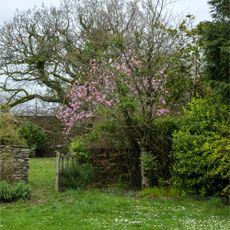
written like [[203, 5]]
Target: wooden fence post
[[57, 184]]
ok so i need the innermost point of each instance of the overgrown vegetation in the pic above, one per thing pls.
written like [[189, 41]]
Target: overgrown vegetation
[[79, 172], [107, 138], [157, 162], [76, 176], [9, 134], [14, 192]]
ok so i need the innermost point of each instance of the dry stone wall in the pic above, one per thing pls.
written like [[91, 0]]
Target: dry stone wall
[[14, 163]]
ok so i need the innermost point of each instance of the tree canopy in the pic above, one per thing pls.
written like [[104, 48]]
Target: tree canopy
[[34, 49], [215, 39], [43, 51]]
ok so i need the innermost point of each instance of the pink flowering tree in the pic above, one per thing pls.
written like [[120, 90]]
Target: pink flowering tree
[[125, 83], [135, 62], [105, 89]]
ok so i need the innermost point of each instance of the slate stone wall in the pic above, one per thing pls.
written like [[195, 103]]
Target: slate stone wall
[[14, 163]]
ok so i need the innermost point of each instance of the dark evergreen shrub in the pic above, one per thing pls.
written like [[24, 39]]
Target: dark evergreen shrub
[[34, 136]]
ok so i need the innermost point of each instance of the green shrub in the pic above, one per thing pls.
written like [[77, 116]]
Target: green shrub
[[9, 134], [108, 136], [78, 148], [157, 162], [79, 173], [22, 191], [34, 136], [108, 132], [201, 150], [76, 176], [14, 192], [167, 125], [149, 163]]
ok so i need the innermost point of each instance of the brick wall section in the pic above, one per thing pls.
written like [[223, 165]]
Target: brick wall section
[[14, 163]]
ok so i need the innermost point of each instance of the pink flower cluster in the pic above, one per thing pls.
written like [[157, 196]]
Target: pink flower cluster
[[84, 97], [82, 100], [161, 112]]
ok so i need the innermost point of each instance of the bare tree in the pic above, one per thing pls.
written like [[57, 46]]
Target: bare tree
[[35, 49]]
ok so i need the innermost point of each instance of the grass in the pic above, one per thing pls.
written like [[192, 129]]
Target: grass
[[77, 209]]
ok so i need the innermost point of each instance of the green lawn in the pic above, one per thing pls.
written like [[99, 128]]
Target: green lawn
[[96, 210]]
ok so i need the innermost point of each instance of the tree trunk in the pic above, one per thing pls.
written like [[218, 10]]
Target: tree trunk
[[144, 178], [138, 178], [135, 167]]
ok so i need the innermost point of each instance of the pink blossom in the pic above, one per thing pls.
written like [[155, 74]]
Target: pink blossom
[[100, 89], [162, 101], [161, 112]]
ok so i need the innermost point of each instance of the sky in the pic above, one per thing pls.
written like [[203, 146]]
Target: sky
[[198, 8]]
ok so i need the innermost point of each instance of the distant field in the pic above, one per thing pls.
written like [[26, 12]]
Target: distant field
[[73, 210]]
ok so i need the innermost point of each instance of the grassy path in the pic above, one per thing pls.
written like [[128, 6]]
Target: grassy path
[[83, 210]]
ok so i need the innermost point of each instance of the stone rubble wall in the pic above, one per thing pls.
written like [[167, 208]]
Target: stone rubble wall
[[14, 163]]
